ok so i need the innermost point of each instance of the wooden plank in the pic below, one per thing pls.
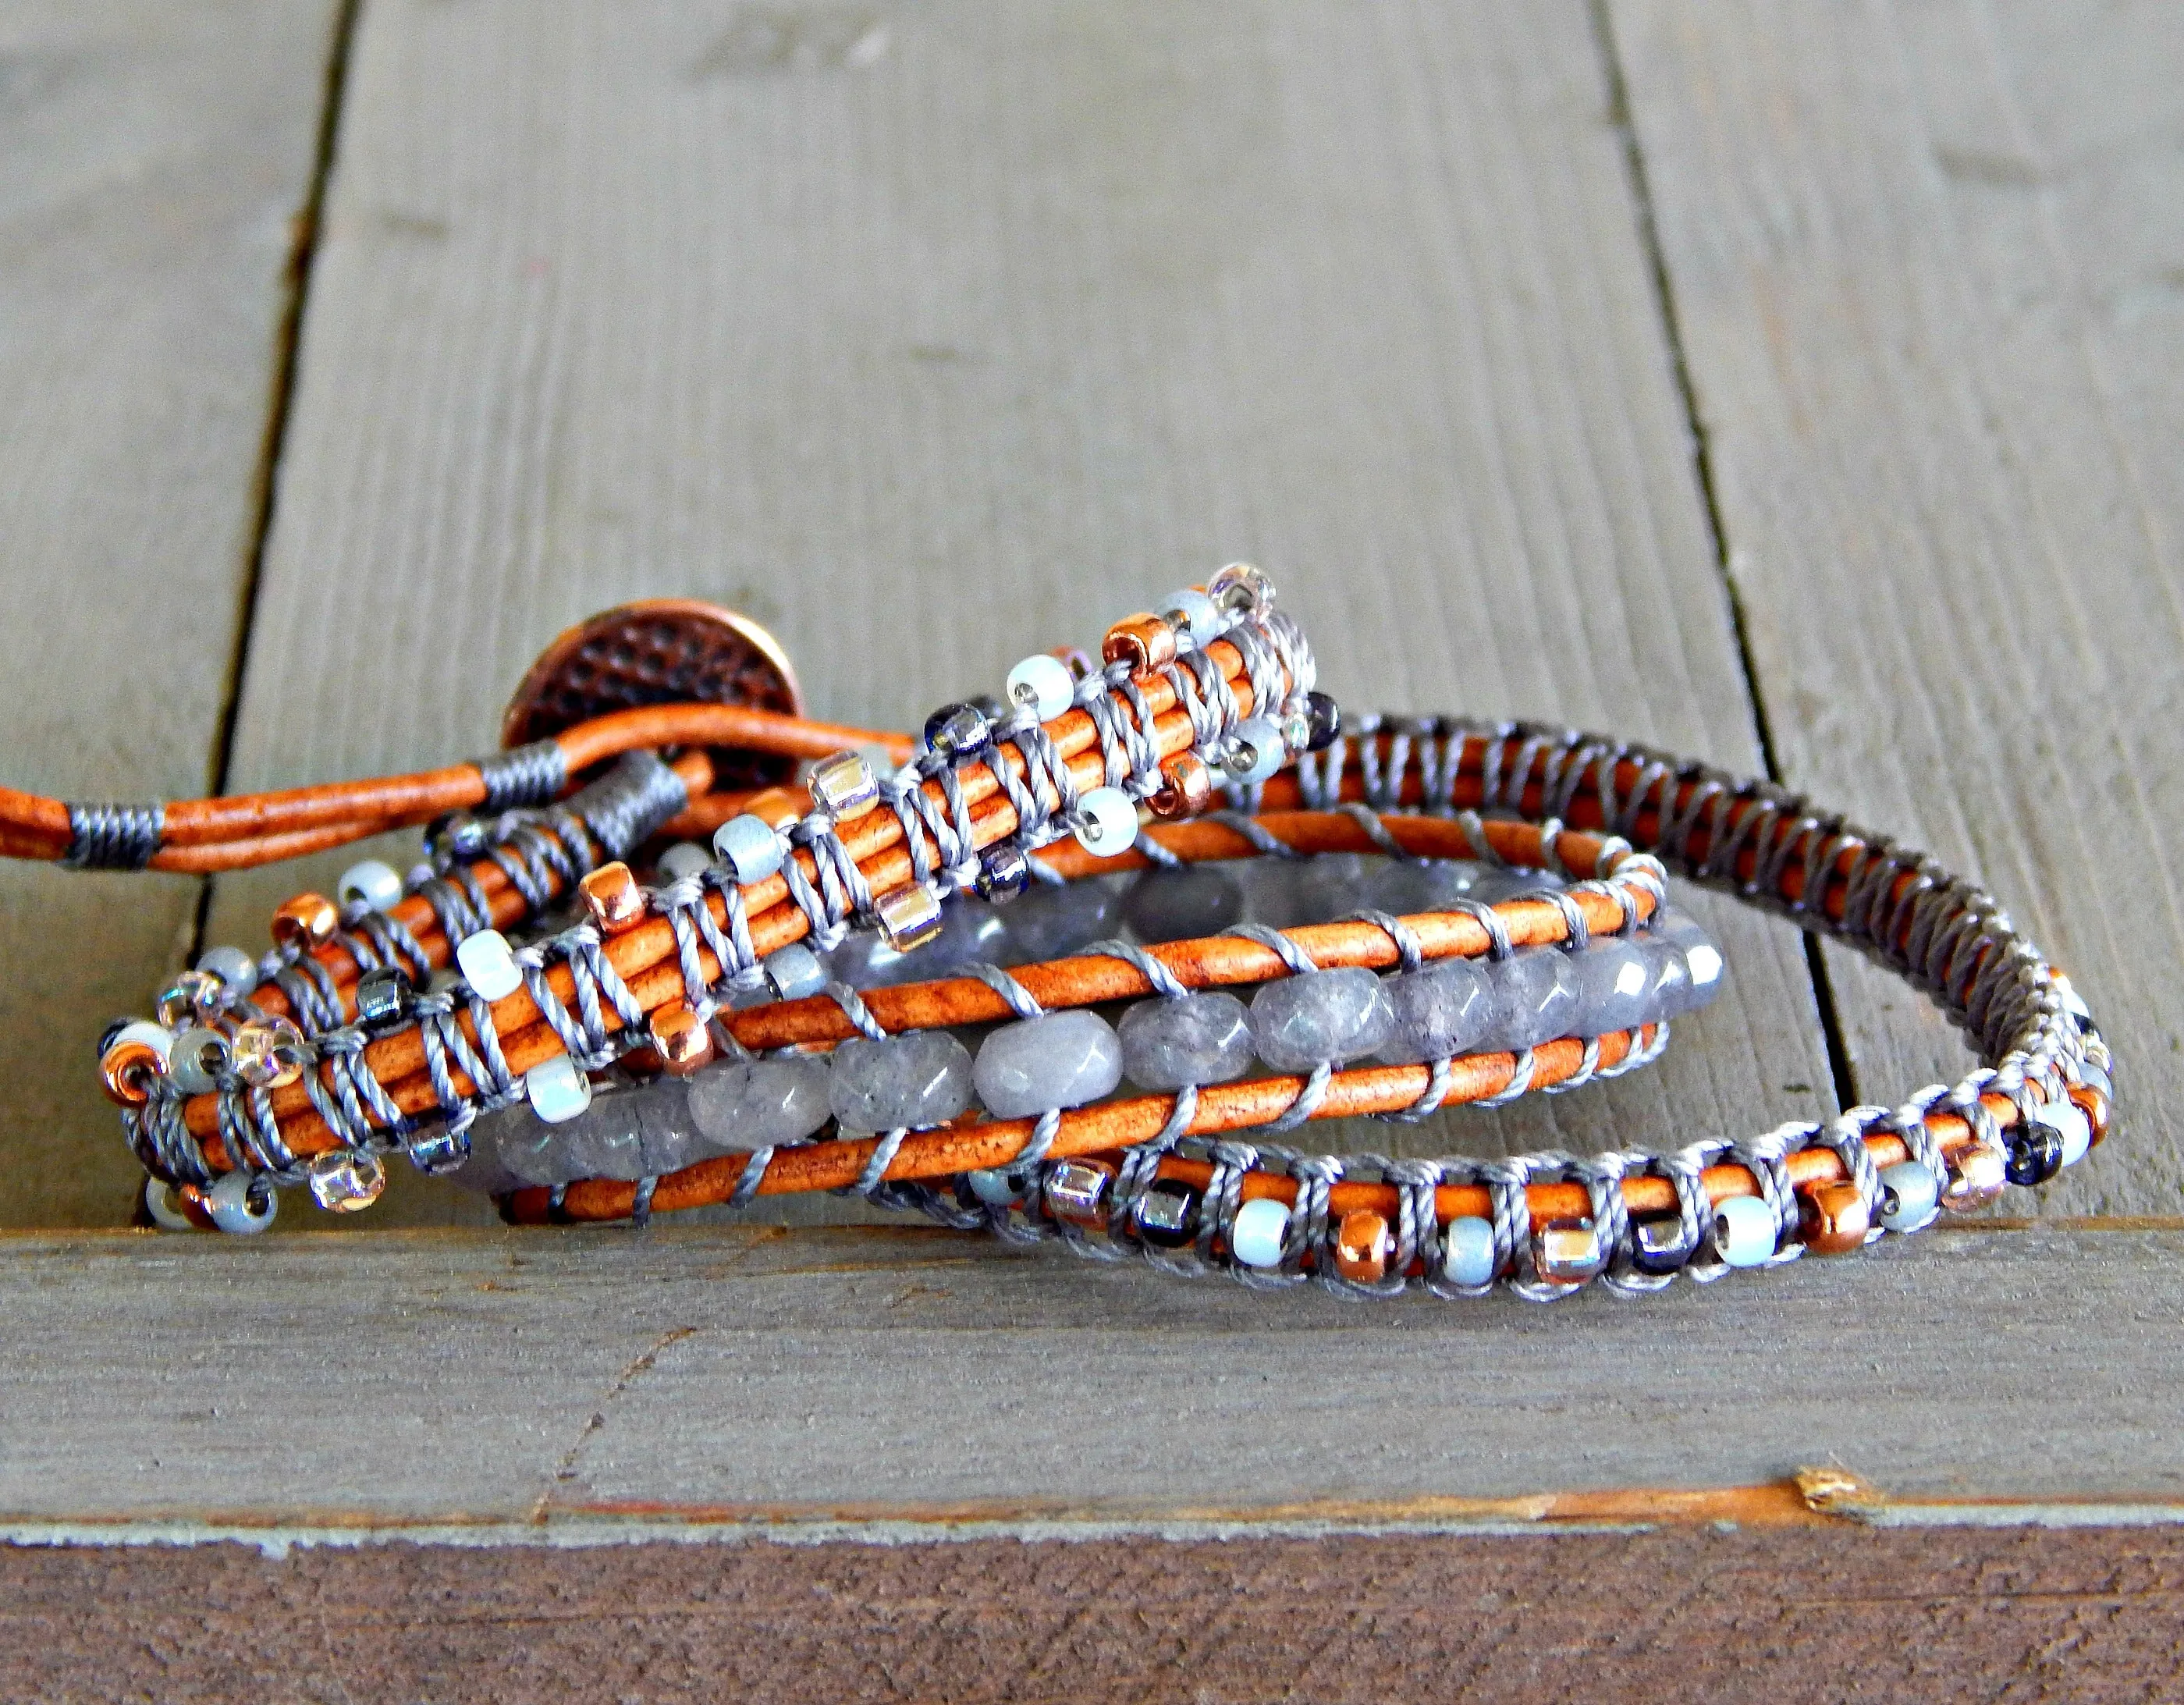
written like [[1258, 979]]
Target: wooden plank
[[1693, 1614], [156, 157], [952, 334], [899, 1381], [1923, 259]]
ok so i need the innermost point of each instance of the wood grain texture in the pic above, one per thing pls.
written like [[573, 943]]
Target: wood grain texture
[[1803, 1618], [760, 1376], [932, 335], [1925, 260], [156, 156]]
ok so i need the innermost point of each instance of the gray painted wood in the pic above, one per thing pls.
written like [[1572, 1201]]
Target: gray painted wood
[[933, 335], [156, 156], [1924, 260], [714, 1375]]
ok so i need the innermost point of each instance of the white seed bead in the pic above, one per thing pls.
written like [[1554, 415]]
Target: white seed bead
[[160, 1203], [196, 1061], [231, 1208], [1107, 823], [559, 1092], [1916, 1193], [1469, 1257], [237, 970], [794, 972], [1255, 750], [1044, 683], [489, 963], [749, 846], [375, 882], [683, 859], [1744, 1231], [2069, 1122], [156, 1036], [1256, 1233], [995, 1189], [1195, 613]]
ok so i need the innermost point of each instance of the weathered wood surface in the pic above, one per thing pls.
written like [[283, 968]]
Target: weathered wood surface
[[932, 335], [1924, 260], [861, 1379], [1699, 1615], [155, 157]]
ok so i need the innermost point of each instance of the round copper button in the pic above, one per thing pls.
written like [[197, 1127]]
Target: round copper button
[[660, 651]]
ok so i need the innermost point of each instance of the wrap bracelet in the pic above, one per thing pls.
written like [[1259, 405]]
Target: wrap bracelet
[[352, 1038]]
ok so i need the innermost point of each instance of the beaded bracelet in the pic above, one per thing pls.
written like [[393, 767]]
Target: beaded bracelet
[[1541, 1224]]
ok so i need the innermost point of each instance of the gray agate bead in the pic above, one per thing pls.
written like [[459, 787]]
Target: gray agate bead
[[970, 930], [1704, 968], [1048, 922], [1436, 1013], [626, 1133], [1285, 893], [1182, 905], [922, 1078], [1319, 1018], [1188, 1039], [1058, 1060], [1535, 998], [760, 1104], [1615, 986]]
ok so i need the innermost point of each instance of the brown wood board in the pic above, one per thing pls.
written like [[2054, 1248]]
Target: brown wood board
[[1922, 261], [156, 160], [930, 336], [1697, 1614]]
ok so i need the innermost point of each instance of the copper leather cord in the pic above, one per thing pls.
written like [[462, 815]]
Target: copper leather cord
[[244, 829]]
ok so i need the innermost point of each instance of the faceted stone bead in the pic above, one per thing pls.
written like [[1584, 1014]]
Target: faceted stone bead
[[760, 1104], [1048, 921], [1189, 1038], [1181, 904], [921, 1078], [1669, 980], [1059, 1060], [1322, 1016], [1614, 982], [1703, 965], [625, 1134], [1535, 999], [1437, 1013], [1284, 892], [970, 929], [1408, 886], [1494, 883]]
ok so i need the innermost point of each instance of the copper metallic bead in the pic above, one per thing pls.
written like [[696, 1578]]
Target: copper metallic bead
[[1833, 1219], [1567, 1251], [1186, 787], [1145, 643], [680, 1038], [128, 1070], [1363, 1244], [2090, 1100], [304, 921], [613, 899], [1977, 1177]]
